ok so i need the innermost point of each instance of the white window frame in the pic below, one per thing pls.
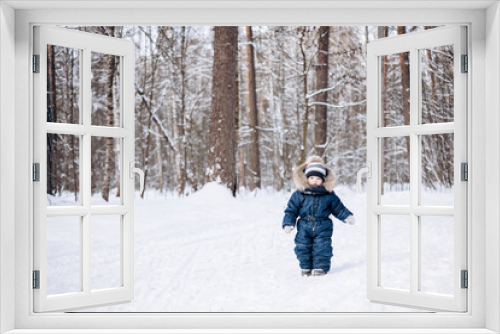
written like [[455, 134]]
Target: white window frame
[[483, 211], [124, 132], [415, 44]]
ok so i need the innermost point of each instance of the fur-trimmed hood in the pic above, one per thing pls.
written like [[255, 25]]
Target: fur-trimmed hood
[[300, 179]]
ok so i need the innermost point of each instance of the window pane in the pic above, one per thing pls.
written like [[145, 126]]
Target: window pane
[[63, 255], [105, 89], [105, 248], [437, 254], [395, 252], [63, 85], [105, 171], [394, 171], [395, 89], [437, 170], [63, 170], [437, 70]]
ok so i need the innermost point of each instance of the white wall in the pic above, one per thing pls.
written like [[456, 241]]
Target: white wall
[[7, 159], [492, 148]]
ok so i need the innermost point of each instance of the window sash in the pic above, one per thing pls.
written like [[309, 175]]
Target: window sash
[[86, 43], [414, 43]]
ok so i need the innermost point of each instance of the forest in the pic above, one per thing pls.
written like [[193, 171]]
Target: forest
[[244, 105]]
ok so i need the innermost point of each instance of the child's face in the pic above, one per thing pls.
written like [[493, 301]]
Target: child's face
[[314, 180]]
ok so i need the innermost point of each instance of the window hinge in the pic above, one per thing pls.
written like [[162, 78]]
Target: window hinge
[[465, 171], [36, 279], [465, 64], [36, 172], [36, 63], [465, 279]]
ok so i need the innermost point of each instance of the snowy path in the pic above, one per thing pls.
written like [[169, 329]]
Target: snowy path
[[212, 253]]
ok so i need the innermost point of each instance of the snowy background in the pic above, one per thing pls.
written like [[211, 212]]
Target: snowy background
[[210, 252], [198, 248]]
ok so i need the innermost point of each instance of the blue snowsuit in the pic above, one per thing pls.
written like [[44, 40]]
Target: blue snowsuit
[[313, 242]]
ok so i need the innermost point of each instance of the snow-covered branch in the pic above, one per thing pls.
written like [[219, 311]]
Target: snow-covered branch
[[350, 104], [154, 116], [308, 96]]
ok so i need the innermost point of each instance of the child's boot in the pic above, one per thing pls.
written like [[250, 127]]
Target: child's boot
[[318, 272], [306, 272]]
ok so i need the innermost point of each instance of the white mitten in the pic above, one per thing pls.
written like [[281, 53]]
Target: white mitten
[[350, 220], [288, 228]]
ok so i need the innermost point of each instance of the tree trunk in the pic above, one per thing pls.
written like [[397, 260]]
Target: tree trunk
[[320, 111], [433, 103], [305, 118], [336, 67], [183, 174], [277, 125], [117, 121], [382, 33], [191, 159], [111, 122], [296, 104], [193, 145], [405, 81], [236, 136], [154, 62], [224, 99], [354, 97], [241, 154], [51, 117], [179, 124], [253, 147], [285, 133], [146, 153], [71, 120]]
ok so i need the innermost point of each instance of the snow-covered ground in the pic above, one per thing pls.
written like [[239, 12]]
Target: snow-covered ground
[[210, 252]]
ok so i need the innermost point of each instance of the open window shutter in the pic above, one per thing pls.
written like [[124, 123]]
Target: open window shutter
[[66, 260], [398, 247]]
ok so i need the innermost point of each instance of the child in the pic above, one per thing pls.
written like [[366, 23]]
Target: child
[[313, 202]]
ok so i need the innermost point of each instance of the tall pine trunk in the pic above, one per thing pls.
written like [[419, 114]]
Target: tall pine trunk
[[253, 148], [152, 104], [382, 33], [51, 117], [305, 117], [433, 104], [277, 126], [180, 119], [241, 153], [224, 106], [285, 133], [320, 112], [118, 166], [111, 122], [71, 120], [354, 98], [405, 83]]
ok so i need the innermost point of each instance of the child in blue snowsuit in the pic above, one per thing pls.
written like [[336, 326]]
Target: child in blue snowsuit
[[313, 202]]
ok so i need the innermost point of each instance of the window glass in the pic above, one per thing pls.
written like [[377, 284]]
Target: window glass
[[63, 170], [437, 71], [395, 252], [63, 85], [63, 255], [437, 254], [395, 89], [106, 91], [395, 171], [105, 250]]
